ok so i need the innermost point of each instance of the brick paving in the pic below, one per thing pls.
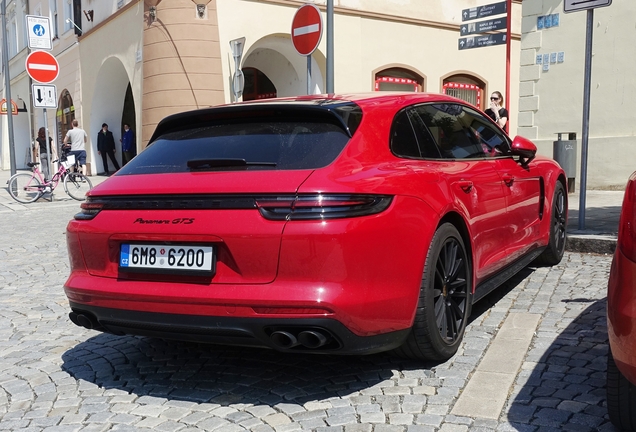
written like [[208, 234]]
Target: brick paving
[[55, 376]]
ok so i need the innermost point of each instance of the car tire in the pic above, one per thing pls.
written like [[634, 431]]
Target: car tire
[[445, 299], [621, 397], [553, 253]]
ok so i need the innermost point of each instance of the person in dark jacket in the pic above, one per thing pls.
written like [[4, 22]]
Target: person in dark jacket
[[106, 146], [128, 147]]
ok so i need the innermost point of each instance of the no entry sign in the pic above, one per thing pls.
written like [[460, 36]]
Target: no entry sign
[[306, 30], [42, 67]]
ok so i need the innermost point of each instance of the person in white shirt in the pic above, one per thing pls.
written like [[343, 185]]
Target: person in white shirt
[[77, 138]]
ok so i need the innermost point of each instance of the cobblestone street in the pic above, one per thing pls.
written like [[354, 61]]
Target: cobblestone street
[[55, 376]]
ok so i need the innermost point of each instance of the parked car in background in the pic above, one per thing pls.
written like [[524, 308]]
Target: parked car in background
[[621, 318], [325, 224]]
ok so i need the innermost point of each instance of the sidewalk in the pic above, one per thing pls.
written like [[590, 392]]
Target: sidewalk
[[599, 236], [602, 211]]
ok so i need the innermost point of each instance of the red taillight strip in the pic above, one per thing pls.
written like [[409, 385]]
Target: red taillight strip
[[327, 206], [90, 209]]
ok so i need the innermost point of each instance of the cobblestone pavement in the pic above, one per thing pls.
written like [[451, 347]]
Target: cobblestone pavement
[[55, 376]]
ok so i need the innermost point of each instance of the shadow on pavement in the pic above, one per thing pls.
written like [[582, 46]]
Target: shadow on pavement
[[227, 375], [565, 389]]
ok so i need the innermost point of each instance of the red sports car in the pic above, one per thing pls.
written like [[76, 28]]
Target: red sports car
[[621, 322], [329, 224]]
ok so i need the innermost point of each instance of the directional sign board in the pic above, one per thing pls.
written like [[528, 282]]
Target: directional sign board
[[44, 95], [39, 32], [482, 41], [306, 30], [577, 5], [485, 11], [483, 26], [42, 66]]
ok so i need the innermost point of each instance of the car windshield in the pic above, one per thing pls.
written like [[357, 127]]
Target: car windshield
[[248, 145]]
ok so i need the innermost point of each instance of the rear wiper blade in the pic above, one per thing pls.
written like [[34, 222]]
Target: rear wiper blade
[[222, 163]]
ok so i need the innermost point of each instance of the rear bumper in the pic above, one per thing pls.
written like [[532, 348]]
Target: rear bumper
[[621, 314], [255, 332]]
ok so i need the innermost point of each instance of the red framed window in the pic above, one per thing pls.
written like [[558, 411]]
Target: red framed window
[[470, 93]]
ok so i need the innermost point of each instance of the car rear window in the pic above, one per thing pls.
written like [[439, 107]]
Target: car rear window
[[279, 145]]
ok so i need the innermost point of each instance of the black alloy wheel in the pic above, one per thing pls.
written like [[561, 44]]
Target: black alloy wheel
[[445, 299], [558, 227], [450, 291]]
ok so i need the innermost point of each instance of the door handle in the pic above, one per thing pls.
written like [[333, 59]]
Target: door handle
[[508, 179], [466, 185]]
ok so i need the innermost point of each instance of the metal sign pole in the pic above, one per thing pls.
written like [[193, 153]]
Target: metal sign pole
[[7, 84], [309, 75], [48, 146], [330, 71], [586, 115]]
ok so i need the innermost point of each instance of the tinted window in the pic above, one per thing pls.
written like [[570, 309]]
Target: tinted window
[[274, 145], [428, 147], [403, 141], [446, 124], [493, 141]]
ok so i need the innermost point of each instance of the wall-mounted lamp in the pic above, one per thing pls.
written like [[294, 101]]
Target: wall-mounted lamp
[[152, 13], [201, 10], [79, 29], [89, 15]]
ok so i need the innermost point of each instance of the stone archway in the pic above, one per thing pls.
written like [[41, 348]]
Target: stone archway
[[109, 100], [276, 58]]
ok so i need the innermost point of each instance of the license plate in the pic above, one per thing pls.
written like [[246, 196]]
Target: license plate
[[167, 258]]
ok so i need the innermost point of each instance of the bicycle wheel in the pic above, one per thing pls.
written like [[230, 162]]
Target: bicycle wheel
[[77, 185], [25, 188]]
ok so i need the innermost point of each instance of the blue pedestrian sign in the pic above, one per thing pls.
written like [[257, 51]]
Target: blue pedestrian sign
[[39, 32]]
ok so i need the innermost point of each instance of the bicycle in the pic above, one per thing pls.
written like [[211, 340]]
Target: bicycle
[[27, 188]]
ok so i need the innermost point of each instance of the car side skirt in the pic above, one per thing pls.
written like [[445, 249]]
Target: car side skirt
[[506, 273], [235, 331]]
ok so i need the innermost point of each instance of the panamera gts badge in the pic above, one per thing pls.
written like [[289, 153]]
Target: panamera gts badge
[[182, 221]]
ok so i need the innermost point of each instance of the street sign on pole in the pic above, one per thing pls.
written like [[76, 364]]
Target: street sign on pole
[[42, 67], [483, 26], [485, 11], [38, 32], [306, 30], [238, 83], [578, 5], [44, 95], [482, 41], [238, 79]]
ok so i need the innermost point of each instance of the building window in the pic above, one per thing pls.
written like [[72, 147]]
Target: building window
[[470, 93], [13, 34], [398, 79], [68, 15], [53, 18], [465, 87]]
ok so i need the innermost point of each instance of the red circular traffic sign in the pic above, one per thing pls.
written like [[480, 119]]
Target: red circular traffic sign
[[42, 67], [306, 30]]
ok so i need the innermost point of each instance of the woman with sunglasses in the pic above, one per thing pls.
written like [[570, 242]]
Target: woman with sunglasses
[[496, 111]]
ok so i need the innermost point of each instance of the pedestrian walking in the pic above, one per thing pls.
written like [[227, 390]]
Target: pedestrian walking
[[128, 147], [44, 152], [77, 137], [106, 146]]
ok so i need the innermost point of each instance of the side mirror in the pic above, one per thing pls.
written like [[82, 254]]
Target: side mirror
[[524, 148]]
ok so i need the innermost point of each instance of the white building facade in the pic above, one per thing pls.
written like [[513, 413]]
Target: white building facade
[[137, 61]]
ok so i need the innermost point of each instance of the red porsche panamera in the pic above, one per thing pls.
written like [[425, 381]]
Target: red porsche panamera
[[327, 224]]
